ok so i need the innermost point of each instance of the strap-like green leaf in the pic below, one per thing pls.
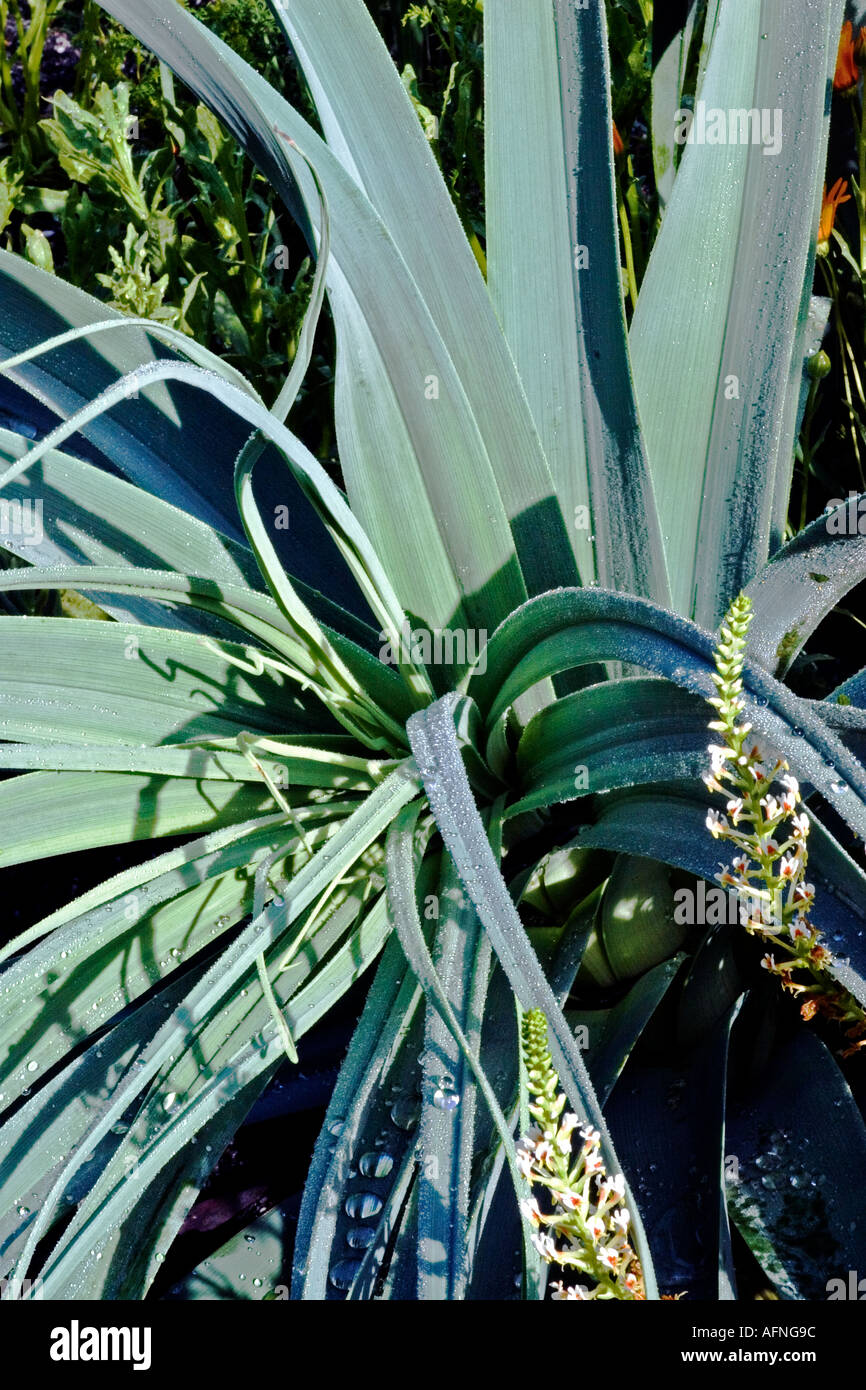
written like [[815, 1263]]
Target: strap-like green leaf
[[715, 335], [166, 443], [375, 1061], [668, 823], [353, 838], [454, 515], [673, 32], [681, 1182], [373, 129], [555, 632], [803, 583], [447, 1135], [550, 181], [798, 1206], [437, 754], [404, 912], [95, 683]]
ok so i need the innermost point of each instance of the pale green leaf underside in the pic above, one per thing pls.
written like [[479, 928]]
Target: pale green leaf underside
[[715, 331]]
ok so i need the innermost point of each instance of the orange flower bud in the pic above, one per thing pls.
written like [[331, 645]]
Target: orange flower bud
[[838, 194], [847, 73]]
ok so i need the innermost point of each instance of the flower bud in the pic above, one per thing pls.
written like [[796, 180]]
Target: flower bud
[[818, 365]]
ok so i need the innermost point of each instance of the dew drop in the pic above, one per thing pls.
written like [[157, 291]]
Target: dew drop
[[446, 1100], [405, 1112], [342, 1274], [362, 1205], [360, 1237], [376, 1165]]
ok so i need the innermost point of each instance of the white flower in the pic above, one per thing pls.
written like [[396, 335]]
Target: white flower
[[545, 1245], [800, 825], [768, 963], [543, 1151], [754, 763], [772, 809], [789, 866], [800, 930], [531, 1210], [734, 808], [791, 785], [614, 1186], [757, 922], [718, 758], [621, 1218], [716, 824], [609, 1256], [573, 1291], [596, 1227], [572, 1201], [563, 1134], [524, 1163]]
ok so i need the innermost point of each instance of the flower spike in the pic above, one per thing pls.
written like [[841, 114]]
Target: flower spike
[[769, 833], [583, 1225]]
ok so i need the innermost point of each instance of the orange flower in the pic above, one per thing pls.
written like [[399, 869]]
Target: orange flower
[[847, 73], [838, 194], [618, 146]]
